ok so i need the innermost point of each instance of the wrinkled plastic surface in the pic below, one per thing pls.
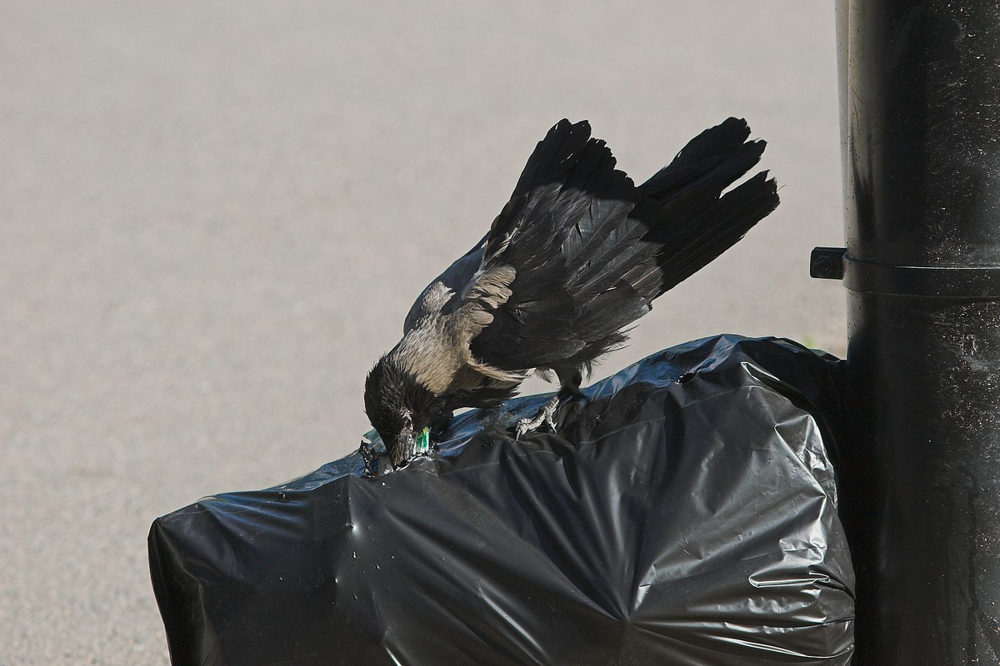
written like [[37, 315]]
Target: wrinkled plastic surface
[[684, 514]]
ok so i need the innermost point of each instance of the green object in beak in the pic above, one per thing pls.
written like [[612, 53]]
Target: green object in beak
[[423, 441]]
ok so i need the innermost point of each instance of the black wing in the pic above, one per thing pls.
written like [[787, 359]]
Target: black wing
[[591, 251]]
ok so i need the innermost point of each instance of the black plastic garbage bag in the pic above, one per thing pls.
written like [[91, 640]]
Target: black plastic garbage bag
[[684, 514]]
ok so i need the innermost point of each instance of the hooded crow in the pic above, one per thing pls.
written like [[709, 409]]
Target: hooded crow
[[577, 254]]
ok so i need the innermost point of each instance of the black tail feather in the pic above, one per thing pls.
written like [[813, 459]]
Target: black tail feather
[[721, 152], [687, 248]]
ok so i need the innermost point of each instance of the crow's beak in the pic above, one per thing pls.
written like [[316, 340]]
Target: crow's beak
[[404, 449]]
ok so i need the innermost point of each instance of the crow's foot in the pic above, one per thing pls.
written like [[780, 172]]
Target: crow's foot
[[544, 416]]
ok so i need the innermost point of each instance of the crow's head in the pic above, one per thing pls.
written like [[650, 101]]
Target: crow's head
[[398, 406]]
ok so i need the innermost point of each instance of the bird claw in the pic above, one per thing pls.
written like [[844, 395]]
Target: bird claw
[[544, 416]]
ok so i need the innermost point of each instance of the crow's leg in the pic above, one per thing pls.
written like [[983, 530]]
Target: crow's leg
[[570, 378], [544, 415]]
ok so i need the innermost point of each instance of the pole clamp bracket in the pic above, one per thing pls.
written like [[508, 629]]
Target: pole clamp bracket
[[953, 282]]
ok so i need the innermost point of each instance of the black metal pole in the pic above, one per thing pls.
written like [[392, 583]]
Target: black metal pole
[[921, 481]]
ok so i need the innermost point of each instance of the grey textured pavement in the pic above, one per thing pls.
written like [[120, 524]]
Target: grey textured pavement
[[215, 214]]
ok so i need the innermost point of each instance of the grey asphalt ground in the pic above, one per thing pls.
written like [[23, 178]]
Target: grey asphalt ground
[[214, 215]]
